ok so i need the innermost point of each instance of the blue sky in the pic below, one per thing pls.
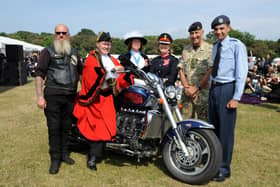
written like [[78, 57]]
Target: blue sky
[[151, 17]]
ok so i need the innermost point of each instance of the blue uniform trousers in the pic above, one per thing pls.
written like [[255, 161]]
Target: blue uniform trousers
[[223, 119]]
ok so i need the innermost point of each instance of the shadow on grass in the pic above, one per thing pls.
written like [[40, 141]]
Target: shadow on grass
[[121, 160], [4, 88], [118, 159], [273, 106]]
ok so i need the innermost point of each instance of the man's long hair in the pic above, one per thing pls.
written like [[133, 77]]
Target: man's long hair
[[62, 47]]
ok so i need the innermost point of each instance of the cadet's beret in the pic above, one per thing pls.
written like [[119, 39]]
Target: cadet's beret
[[222, 19], [195, 26], [104, 36], [165, 38]]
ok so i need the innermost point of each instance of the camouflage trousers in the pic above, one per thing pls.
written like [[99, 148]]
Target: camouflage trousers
[[196, 109]]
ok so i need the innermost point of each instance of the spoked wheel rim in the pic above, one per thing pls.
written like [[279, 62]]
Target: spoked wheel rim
[[199, 157]]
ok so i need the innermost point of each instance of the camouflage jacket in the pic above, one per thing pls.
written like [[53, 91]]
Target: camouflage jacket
[[195, 62]]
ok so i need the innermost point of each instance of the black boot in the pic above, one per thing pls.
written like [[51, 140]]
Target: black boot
[[67, 159], [54, 168], [91, 163]]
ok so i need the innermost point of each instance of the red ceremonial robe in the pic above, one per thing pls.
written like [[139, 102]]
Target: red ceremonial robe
[[95, 113]]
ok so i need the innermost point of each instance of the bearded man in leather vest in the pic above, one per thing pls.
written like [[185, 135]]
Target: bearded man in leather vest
[[59, 68]]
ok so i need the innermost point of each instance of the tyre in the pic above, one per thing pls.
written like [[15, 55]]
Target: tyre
[[203, 162]]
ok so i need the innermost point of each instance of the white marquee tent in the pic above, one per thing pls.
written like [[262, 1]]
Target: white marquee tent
[[27, 47]]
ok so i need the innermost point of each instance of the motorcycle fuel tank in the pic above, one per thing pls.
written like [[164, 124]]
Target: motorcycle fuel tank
[[134, 96]]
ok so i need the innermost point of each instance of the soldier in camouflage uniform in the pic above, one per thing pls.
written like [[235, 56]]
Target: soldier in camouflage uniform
[[194, 70]]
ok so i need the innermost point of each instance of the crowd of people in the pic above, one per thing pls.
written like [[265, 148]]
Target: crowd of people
[[31, 63], [263, 79], [213, 77]]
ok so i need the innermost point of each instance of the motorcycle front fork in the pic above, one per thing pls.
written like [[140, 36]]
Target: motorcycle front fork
[[179, 141], [178, 138], [170, 116], [178, 113]]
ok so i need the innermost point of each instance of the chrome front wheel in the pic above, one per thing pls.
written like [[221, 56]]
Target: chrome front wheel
[[203, 160]]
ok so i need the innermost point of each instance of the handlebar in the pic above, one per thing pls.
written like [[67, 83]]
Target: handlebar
[[131, 68]]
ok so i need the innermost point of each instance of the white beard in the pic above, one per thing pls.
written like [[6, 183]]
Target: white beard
[[62, 47]]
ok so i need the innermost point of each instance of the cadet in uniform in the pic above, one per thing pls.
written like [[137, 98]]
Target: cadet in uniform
[[228, 78], [165, 65], [195, 69]]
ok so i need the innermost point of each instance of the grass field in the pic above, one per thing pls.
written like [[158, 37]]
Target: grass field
[[24, 159]]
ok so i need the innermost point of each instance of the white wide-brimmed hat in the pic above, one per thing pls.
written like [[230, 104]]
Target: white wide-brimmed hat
[[134, 35]]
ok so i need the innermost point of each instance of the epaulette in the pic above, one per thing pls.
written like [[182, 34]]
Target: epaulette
[[233, 40]]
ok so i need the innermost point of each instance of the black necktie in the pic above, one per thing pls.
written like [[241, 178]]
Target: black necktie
[[217, 60]]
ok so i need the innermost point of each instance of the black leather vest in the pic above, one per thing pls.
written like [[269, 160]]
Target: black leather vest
[[62, 71]]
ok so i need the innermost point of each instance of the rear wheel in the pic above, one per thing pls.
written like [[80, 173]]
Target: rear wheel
[[203, 162]]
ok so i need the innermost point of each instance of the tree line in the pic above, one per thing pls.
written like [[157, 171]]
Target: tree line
[[84, 41]]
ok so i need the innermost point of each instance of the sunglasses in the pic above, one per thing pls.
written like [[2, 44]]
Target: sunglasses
[[58, 33]]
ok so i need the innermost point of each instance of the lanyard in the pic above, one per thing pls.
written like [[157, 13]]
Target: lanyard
[[137, 60]]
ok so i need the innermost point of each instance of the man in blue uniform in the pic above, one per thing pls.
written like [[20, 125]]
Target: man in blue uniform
[[227, 84]]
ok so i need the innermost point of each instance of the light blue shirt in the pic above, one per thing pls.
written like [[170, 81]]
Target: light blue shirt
[[233, 64]]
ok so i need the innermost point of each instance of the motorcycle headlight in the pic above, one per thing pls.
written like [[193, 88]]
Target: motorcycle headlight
[[179, 92], [170, 92]]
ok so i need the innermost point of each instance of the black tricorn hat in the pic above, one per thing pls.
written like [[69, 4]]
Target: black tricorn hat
[[104, 36]]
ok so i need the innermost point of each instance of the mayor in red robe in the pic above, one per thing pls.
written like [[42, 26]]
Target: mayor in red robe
[[94, 106]]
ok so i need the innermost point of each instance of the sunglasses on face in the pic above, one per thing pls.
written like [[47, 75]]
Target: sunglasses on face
[[58, 33]]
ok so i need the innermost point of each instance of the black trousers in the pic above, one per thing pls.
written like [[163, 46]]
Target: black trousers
[[224, 120], [59, 119], [96, 148]]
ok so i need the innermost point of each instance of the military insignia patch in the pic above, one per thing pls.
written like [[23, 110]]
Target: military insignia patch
[[193, 63]]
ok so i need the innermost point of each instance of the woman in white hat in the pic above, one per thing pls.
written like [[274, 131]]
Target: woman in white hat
[[135, 41]]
